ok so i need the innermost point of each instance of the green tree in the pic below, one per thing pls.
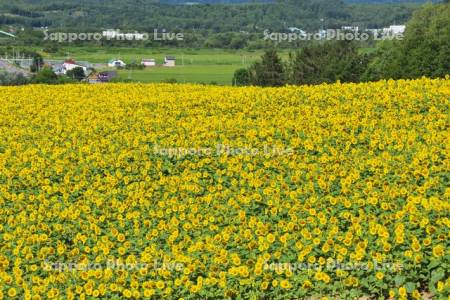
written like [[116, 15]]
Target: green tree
[[426, 46], [46, 75], [307, 65], [76, 73], [241, 77], [388, 62], [425, 50], [37, 62], [328, 62], [269, 71]]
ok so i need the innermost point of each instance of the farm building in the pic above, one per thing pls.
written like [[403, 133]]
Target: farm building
[[58, 69], [101, 77], [394, 29], [350, 28], [148, 62], [70, 64], [169, 61], [116, 63], [106, 76]]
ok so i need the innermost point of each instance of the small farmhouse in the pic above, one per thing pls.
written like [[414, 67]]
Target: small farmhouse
[[58, 69], [395, 29], [350, 28], [68, 65], [169, 61], [148, 62], [116, 63], [102, 77]]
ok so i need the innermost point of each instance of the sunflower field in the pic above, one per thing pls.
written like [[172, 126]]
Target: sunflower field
[[159, 191]]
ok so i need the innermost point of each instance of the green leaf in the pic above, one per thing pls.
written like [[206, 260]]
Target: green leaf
[[399, 280], [410, 287], [437, 275], [433, 264], [432, 287]]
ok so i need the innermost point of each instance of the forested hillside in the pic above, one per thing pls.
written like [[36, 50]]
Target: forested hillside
[[147, 14]]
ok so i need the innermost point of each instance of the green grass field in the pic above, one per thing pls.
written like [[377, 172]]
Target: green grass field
[[221, 74], [193, 65], [186, 56]]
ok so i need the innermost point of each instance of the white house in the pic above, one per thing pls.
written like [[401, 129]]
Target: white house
[[169, 61], [116, 63], [148, 62], [350, 28], [395, 29], [299, 31], [295, 29], [70, 64]]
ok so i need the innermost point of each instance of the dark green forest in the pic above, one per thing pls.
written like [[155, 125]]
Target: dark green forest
[[231, 26], [249, 17]]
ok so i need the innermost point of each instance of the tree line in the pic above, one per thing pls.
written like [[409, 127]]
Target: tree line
[[424, 51]]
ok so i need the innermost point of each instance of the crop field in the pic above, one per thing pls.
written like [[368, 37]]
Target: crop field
[[128, 191], [186, 56], [217, 74]]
